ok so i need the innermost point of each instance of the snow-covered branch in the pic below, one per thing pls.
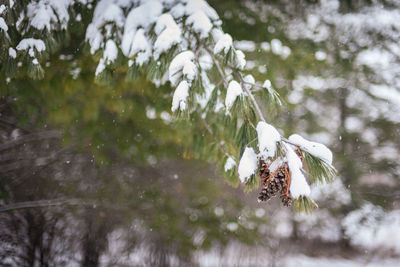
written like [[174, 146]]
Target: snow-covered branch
[[180, 42]]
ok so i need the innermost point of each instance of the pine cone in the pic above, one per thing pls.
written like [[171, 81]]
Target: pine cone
[[286, 200], [271, 186]]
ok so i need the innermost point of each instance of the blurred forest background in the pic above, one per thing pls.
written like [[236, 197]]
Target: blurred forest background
[[97, 177]]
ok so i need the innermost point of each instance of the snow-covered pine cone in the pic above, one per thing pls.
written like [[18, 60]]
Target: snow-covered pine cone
[[263, 170], [273, 185]]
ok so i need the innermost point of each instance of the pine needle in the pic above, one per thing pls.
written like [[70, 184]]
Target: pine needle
[[305, 204], [318, 170]]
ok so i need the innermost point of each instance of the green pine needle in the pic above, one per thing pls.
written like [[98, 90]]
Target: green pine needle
[[280, 150], [272, 100], [245, 135], [318, 170], [35, 71], [154, 70], [133, 73], [230, 175], [105, 77], [251, 183], [305, 204]]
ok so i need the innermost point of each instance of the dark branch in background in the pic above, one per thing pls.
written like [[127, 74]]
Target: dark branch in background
[[31, 137], [43, 203], [56, 202]]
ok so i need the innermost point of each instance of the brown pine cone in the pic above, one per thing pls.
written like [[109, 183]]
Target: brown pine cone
[[286, 200], [271, 186]]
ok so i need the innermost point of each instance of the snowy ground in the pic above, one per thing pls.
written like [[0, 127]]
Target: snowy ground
[[301, 260], [298, 260]]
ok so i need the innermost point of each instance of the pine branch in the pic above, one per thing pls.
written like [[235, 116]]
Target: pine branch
[[216, 63], [242, 82], [248, 92]]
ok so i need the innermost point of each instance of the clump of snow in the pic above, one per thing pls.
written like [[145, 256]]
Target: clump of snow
[[61, 10], [286, 51], [219, 211], [3, 25], [217, 34], [244, 45], [371, 227], [241, 61], [111, 52], [335, 193], [268, 136], [194, 6], [178, 11], [206, 62], [182, 63], [12, 53], [388, 93], [100, 67], [168, 33], [140, 47], [46, 14], [323, 225], [259, 212], [265, 46], [320, 55], [140, 17], [249, 81], [277, 163], [166, 117], [267, 85], [200, 23], [95, 38], [151, 113], [189, 70], [232, 226], [181, 94], [2, 8], [41, 15], [234, 90], [224, 44], [316, 149], [248, 164], [229, 164], [30, 44], [276, 46], [105, 14], [262, 69], [298, 186]]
